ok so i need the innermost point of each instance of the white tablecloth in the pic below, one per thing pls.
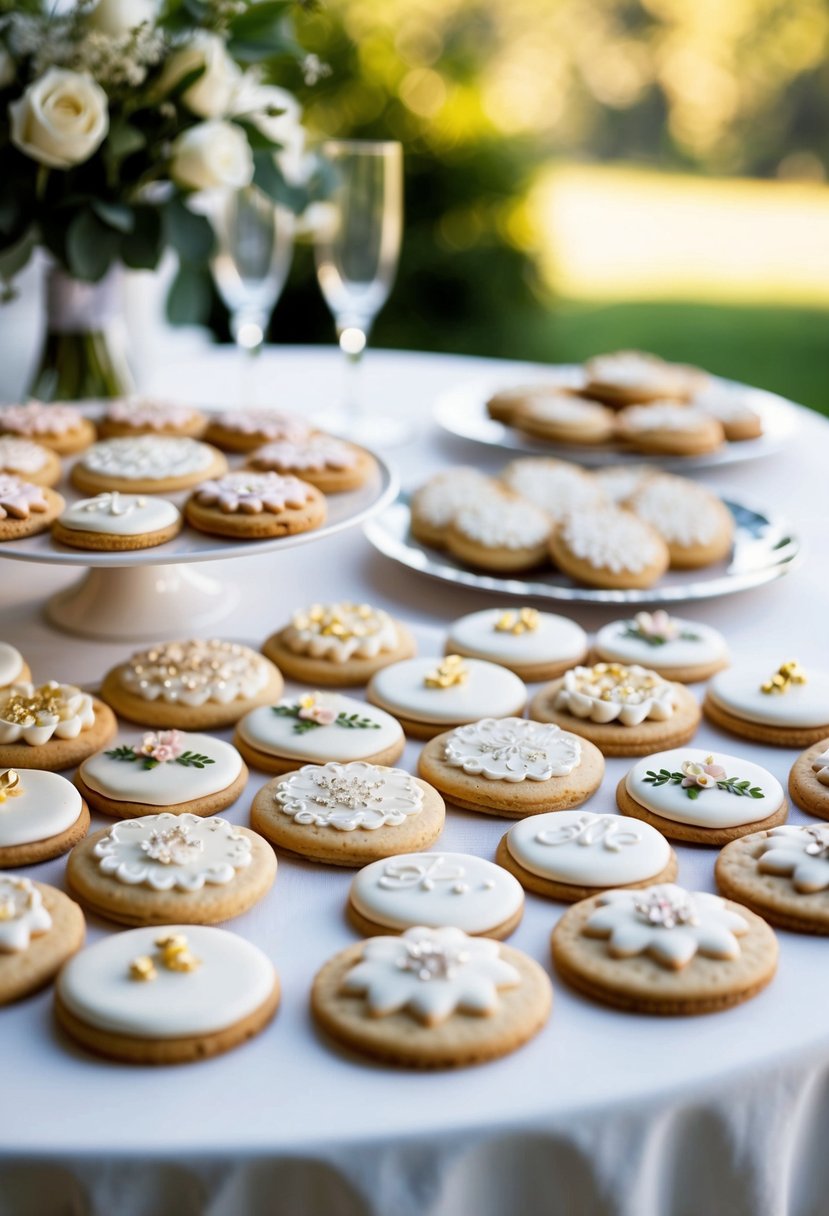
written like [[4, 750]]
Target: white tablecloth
[[604, 1113]]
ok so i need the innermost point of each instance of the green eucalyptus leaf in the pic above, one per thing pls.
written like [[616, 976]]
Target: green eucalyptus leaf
[[116, 215], [91, 246], [141, 249], [190, 235], [188, 302]]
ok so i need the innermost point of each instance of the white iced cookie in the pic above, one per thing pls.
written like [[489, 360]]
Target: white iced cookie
[[782, 875], [429, 695], [670, 428], [142, 414], [435, 504], [788, 706], [148, 458], [695, 524], [620, 482], [609, 547], [798, 853], [674, 647], [173, 852], [435, 889], [244, 430], [510, 524], [554, 486], [115, 514], [342, 631], [13, 669], [612, 692], [21, 456], [35, 714], [535, 645], [40, 928], [626, 376], [512, 749], [22, 914], [735, 407], [311, 455], [42, 815]]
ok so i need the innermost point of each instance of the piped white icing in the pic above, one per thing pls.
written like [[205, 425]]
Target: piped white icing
[[11, 664], [684, 513], [554, 639], [166, 784], [22, 914], [608, 538], [313, 454], [820, 767], [148, 457], [513, 749], [349, 796], [727, 403], [588, 850], [21, 455], [36, 418], [46, 805], [798, 853], [173, 852], [444, 494], [633, 369], [713, 807], [737, 689], [250, 493], [686, 643], [564, 408], [666, 416], [339, 632], [503, 524], [611, 692], [490, 691], [155, 415], [270, 424], [117, 514], [277, 735], [620, 482], [34, 714], [553, 486], [195, 672]]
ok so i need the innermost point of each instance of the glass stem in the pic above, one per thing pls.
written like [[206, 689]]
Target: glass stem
[[353, 341], [248, 330]]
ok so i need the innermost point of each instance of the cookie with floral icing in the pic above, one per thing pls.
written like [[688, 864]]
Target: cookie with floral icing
[[699, 797], [193, 685], [164, 868], [42, 816], [554, 486], [166, 995], [664, 950], [437, 890], [338, 645], [609, 547], [146, 464], [502, 535], [246, 430], [348, 814], [668, 428], [809, 780], [624, 710], [40, 928], [13, 667], [332, 465], [113, 522], [782, 875], [431, 998], [695, 524], [534, 645], [564, 418], [176, 771], [628, 377], [51, 726], [435, 503], [676, 648], [429, 695], [26, 508], [61, 428], [255, 506], [787, 707], [29, 461], [512, 767], [315, 727], [142, 416], [571, 855]]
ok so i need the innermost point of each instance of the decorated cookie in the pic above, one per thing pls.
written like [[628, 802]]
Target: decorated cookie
[[338, 645], [166, 995], [503, 405], [348, 814], [570, 855], [435, 889], [625, 711], [664, 950], [171, 769], [511, 767], [51, 726], [39, 930], [113, 521], [137, 416], [248, 429], [695, 796], [13, 667], [734, 407], [678, 649], [564, 418], [809, 780], [630, 376], [553, 485], [330, 464], [314, 727], [535, 645], [782, 875], [429, 695], [435, 504], [695, 524], [609, 547], [142, 871], [29, 461], [431, 998], [619, 482], [194, 685], [42, 815], [254, 506], [667, 428], [26, 508], [788, 707], [501, 535], [146, 464], [61, 428]]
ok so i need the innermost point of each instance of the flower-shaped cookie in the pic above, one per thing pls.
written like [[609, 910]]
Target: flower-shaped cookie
[[349, 796], [36, 418], [252, 493], [34, 714], [18, 498], [513, 749], [609, 692], [312, 454], [22, 914], [173, 852], [802, 853]]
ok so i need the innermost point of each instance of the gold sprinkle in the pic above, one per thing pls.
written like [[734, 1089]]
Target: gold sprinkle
[[526, 620], [175, 953], [10, 784], [143, 969], [448, 673], [786, 675]]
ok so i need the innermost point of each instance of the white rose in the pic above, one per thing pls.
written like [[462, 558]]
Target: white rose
[[116, 17], [8, 68], [211, 155], [212, 94], [253, 101], [61, 119]]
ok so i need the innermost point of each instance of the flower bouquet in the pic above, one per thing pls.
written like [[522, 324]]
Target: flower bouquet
[[112, 114]]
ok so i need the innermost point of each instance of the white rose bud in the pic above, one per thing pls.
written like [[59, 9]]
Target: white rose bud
[[255, 102], [212, 155], [61, 119], [8, 68], [211, 95], [116, 17]]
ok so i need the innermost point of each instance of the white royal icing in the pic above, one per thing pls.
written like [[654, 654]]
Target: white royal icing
[[436, 889], [564, 408], [687, 644], [46, 805], [148, 457], [503, 524], [620, 482], [799, 853], [727, 403], [117, 514], [34, 714], [21, 455], [490, 691], [820, 767], [430, 973], [269, 732], [195, 672], [250, 493], [11, 663], [166, 784], [444, 494], [339, 632], [37, 418], [270, 424], [683, 513], [349, 796], [233, 980], [713, 807], [665, 416], [632, 369], [668, 923], [588, 850], [554, 486], [737, 689], [609, 538], [612, 692], [22, 914], [513, 749], [554, 638], [310, 455], [155, 415], [173, 852]]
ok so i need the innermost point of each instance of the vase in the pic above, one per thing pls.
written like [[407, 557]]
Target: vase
[[83, 351]]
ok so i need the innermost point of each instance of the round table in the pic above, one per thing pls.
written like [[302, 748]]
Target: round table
[[603, 1113]]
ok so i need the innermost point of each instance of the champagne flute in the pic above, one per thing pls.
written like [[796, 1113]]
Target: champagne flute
[[356, 246]]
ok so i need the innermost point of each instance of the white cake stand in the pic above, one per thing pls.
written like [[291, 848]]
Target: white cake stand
[[157, 593]]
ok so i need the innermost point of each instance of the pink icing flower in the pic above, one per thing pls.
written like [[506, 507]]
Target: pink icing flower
[[703, 775], [162, 746], [18, 498], [657, 624], [323, 715]]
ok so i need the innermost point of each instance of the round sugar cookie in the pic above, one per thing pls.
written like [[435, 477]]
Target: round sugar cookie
[[338, 645], [112, 521], [788, 707], [502, 535], [627, 377], [782, 875], [41, 928], [13, 667], [25, 508], [668, 428], [620, 481], [148, 871], [534, 645], [29, 461], [503, 405], [511, 767], [809, 780], [431, 998], [675, 648], [146, 464], [429, 695], [51, 726], [228, 992], [734, 407], [695, 524], [42, 816], [247, 429], [61, 428], [436, 502], [139, 416], [554, 486], [254, 506], [564, 418], [348, 814], [332, 465], [609, 547]]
